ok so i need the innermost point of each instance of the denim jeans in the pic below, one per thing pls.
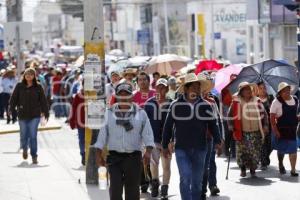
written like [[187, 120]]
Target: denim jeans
[[28, 130], [58, 106], [81, 137], [190, 164], [210, 171], [212, 174], [2, 108]]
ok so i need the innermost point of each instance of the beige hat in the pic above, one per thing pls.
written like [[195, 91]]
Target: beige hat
[[189, 78], [129, 71], [206, 83], [242, 85], [284, 85]]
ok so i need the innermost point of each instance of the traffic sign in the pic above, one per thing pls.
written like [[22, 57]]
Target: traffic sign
[[143, 36], [217, 36]]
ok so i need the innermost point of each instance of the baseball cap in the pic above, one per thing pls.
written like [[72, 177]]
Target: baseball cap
[[172, 80], [124, 87], [162, 81], [115, 72]]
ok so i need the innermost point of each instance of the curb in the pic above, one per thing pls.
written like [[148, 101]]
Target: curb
[[41, 129]]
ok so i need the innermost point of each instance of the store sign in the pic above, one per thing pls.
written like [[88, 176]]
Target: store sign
[[230, 17]]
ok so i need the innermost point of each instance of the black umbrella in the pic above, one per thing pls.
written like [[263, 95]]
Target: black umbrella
[[271, 72]]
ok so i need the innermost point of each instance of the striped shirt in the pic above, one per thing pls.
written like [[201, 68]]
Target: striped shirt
[[117, 139]]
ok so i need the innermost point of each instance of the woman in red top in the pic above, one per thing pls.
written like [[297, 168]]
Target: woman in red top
[[77, 120]]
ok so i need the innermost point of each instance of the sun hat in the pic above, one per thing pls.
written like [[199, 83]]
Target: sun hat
[[162, 81], [129, 71], [188, 78], [284, 85], [245, 84], [206, 83]]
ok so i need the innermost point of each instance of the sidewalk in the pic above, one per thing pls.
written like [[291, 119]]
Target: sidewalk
[[52, 124]]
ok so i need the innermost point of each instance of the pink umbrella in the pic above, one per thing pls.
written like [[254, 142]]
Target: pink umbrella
[[224, 75]]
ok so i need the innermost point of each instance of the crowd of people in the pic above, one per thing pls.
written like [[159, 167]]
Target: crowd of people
[[151, 117], [177, 111]]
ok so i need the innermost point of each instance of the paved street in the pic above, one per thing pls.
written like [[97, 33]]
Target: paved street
[[57, 175]]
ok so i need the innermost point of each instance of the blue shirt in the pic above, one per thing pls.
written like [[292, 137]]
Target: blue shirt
[[118, 139], [157, 115], [8, 85]]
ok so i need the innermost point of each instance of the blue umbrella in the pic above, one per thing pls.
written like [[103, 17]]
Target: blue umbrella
[[289, 4], [270, 72]]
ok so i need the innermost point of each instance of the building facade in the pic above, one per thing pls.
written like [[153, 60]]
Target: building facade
[[271, 32], [218, 28]]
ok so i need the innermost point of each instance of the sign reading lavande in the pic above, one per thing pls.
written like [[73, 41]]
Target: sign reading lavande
[[230, 17]]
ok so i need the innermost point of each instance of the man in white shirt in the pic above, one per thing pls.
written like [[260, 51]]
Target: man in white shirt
[[125, 132]]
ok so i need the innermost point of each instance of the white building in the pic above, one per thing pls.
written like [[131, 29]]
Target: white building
[[225, 28], [270, 34], [49, 24]]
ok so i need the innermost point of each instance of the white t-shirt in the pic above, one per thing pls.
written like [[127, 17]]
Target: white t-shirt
[[276, 107]]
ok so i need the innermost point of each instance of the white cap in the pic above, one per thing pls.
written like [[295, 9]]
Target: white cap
[[162, 81]]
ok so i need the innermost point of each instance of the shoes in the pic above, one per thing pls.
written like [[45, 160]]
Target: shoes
[[294, 174], [154, 188], [264, 168], [252, 172], [83, 160], [243, 171], [164, 192], [214, 190], [282, 170], [25, 154], [144, 188], [34, 160]]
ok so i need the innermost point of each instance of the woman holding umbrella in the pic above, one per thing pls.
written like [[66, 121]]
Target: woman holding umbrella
[[284, 120], [248, 121]]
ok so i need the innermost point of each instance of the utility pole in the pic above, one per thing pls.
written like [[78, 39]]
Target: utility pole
[[15, 14], [94, 88], [167, 26]]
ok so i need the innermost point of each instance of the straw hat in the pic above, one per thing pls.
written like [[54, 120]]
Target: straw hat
[[245, 84], [189, 78], [206, 83], [129, 71], [284, 85]]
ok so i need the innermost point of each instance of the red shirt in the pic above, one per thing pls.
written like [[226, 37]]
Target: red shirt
[[56, 83], [140, 98], [77, 119]]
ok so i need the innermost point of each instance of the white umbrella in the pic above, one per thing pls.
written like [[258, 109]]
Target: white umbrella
[[116, 52], [138, 61], [167, 64], [79, 62]]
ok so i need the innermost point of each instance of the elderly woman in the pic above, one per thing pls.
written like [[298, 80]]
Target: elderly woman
[[284, 122], [248, 121]]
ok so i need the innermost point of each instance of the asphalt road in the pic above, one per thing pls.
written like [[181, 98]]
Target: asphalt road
[[60, 176]]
